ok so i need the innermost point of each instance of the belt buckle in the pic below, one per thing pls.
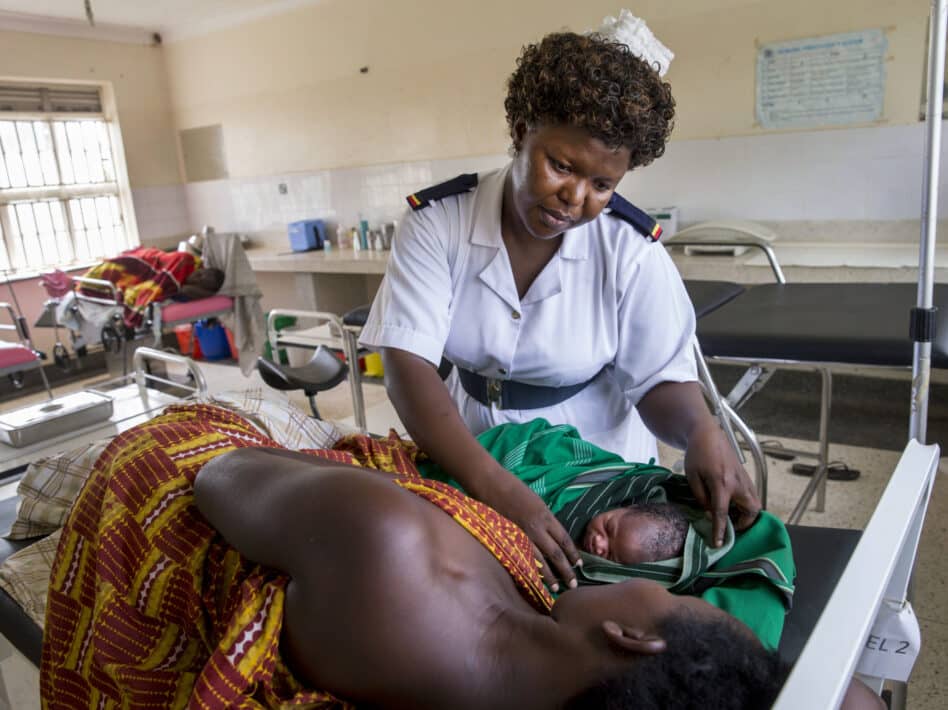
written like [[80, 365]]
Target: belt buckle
[[494, 392]]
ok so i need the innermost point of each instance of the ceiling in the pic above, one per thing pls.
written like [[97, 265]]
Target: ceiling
[[165, 16]]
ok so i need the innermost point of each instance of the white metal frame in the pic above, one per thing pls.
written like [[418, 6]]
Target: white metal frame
[[340, 335], [879, 570], [63, 192], [25, 342]]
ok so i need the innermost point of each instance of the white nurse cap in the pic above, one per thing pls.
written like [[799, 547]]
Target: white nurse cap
[[633, 31]]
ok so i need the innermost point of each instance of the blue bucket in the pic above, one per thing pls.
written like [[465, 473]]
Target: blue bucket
[[213, 339]]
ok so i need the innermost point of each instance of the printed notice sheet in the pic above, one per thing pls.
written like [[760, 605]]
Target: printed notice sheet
[[821, 81]]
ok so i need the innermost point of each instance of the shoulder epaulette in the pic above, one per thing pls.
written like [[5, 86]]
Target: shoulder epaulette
[[455, 186], [627, 212]]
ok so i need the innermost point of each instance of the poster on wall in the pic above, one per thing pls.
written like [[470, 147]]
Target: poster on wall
[[821, 81]]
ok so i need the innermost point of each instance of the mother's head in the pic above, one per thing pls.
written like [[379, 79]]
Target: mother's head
[[582, 111]]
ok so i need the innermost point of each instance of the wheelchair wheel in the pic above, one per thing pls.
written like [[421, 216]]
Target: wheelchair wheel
[[61, 357]]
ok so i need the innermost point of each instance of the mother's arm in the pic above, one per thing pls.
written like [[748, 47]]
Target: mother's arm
[[263, 500]]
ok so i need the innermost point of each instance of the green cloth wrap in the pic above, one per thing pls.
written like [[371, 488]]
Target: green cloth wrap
[[750, 576]]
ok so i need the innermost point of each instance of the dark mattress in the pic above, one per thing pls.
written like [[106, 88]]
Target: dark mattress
[[707, 296], [15, 624], [855, 323]]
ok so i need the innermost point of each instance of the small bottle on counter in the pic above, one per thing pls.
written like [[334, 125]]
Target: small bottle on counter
[[356, 245]]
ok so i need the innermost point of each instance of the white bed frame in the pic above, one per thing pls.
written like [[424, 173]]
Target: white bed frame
[[885, 555]]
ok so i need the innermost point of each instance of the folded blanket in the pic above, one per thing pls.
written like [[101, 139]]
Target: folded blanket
[[143, 276], [750, 576], [148, 606]]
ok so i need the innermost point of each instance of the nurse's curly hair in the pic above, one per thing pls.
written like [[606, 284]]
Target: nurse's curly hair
[[596, 83]]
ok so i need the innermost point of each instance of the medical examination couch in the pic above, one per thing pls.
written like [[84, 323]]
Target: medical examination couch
[[819, 327]]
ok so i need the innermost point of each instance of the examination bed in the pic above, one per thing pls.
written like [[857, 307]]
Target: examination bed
[[821, 554], [822, 557], [811, 326]]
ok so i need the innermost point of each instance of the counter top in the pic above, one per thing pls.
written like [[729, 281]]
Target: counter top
[[800, 262], [319, 262]]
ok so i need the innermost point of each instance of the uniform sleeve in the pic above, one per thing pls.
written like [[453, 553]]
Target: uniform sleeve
[[656, 326], [411, 310]]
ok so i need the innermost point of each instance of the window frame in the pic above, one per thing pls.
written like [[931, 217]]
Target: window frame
[[118, 188]]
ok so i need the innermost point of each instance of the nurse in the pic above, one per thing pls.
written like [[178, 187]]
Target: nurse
[[546, 291]]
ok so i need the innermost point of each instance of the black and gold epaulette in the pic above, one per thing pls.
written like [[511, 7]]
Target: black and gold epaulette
[[455, 186], [626, 211]]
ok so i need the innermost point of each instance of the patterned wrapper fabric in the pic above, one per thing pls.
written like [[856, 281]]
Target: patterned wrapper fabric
[[150, 608]]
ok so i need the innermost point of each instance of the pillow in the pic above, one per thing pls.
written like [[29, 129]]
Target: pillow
[[48, 489], [277, 417], [24, 575]]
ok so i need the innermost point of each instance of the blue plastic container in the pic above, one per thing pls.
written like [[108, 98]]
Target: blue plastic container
[[213, 339], [306, 234]]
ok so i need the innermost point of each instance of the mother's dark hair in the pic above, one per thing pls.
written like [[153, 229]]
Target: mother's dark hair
[[594, 83], [707, 665]]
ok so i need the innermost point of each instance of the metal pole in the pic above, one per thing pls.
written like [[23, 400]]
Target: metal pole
[[921, 366]]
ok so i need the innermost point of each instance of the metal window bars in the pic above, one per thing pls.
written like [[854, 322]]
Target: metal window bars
[[58, 193]]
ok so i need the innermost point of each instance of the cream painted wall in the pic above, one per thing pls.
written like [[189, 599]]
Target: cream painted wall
[[138, 77], [288, 91]]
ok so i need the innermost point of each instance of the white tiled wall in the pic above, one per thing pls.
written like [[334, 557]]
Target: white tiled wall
[[161, 212], [344, 196], [862, 184]]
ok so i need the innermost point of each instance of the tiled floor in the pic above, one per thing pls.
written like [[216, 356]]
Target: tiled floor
[[849, 504]]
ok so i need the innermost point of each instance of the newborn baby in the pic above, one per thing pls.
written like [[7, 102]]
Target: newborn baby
[[637, 533]]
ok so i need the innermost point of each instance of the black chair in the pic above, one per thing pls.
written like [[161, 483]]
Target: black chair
[[323, 371]]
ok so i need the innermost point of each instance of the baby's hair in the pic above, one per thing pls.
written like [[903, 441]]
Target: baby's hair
[[667, 539]]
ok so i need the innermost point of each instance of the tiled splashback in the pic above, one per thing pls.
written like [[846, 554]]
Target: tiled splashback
[[263, 206], [861, 184]]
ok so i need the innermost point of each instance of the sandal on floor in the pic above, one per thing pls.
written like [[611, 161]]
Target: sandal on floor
[[838, 471]]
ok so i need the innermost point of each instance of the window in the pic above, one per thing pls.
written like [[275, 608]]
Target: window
[[59, 189]]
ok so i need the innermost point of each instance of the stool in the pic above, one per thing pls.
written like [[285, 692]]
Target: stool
[[323, 371], [340, 336]]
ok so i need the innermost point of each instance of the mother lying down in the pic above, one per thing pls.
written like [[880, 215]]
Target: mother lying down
[[203, 566]]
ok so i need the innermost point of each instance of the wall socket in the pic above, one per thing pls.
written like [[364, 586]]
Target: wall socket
[[281, 188]]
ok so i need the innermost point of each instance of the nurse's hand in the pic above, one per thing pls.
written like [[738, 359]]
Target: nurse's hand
[[719, 481], [555, 549]]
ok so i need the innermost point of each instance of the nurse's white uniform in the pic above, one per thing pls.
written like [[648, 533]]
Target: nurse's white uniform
[[609, 304]]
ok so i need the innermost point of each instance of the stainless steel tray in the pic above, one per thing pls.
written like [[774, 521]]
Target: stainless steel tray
[[37, 422]]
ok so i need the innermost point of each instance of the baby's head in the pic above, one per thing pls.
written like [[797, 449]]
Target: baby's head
[[637, 533]]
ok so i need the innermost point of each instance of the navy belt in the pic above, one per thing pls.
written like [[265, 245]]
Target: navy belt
[[508, 394]]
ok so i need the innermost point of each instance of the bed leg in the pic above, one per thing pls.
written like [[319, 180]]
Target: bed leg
[[826, 396]]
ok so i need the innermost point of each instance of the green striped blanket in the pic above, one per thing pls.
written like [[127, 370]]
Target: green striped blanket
[[750, 576]]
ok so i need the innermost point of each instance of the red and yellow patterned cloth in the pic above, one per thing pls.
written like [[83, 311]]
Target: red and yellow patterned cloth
[[150, 608], [143, 276]]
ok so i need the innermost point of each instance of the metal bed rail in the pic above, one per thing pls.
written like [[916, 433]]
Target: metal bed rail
[[742, 238], [98, 284], [878, 572]]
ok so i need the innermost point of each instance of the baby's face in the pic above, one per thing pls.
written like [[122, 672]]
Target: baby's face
[[621, 535]]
